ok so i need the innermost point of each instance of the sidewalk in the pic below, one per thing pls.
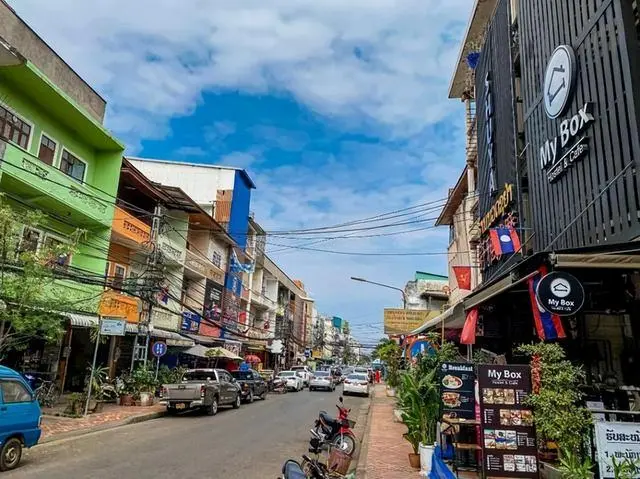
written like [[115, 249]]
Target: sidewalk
[[385, 452], [57, 427]]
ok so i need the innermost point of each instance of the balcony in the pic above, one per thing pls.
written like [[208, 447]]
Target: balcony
[[173, 252], [130, 229], [50, 189], [262, 302], [474, 232], [202, 267], [116, 305]]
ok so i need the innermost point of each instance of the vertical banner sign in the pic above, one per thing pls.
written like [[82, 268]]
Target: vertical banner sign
[[457, 390], [619, 440], [508, 433], [212, 300]]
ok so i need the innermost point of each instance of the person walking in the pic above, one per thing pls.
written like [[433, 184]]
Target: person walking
[[378, 376]]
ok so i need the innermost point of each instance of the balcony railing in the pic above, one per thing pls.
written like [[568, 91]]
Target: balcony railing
[[50, 184], [260, 300], [203, 267], [474, 232], [171, 250], [128, 226]]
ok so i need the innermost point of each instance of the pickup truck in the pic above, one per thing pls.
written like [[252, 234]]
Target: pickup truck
[[305, 374], [204, 389], [252, 385]]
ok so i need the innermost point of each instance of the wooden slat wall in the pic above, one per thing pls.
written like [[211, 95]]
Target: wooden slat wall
[[602, 33]]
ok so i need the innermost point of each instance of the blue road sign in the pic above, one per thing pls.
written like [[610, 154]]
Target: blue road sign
[[159, 349]]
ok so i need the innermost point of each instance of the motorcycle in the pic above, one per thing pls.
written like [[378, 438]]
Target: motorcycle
[[337, 431], [310, 468], [279, 385]]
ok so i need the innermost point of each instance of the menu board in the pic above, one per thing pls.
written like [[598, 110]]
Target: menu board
[[508, 434], [457, 390]]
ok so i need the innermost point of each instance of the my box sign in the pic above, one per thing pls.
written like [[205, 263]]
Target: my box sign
[[504, 374]]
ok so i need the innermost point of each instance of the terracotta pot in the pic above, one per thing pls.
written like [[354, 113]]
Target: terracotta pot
[[126, 400], [414, 460]]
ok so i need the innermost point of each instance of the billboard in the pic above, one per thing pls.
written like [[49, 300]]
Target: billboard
[[337, 322], [402, 321]]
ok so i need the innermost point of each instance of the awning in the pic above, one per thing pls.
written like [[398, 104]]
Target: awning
[[453, 318], [223, 353], [172, 338], [596, 260], [89, 321], [206, 340], [197, 350]]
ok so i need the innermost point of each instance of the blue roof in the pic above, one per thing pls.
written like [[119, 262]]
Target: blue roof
[[5, 371]]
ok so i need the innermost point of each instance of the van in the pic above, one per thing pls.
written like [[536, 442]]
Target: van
[[20, 418]]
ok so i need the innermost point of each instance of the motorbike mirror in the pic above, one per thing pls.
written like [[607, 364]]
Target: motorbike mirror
[[340, 399]]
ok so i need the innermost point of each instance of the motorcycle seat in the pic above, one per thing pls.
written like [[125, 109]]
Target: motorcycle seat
[[327, 419], [292, 470]]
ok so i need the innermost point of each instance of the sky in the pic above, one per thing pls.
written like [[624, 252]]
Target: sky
[[338, 110]]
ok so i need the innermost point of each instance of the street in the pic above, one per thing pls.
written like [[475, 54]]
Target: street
[[251, 442]]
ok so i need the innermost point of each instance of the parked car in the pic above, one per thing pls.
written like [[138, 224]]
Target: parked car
[[356, 383], [305, 373], [20, 418], [294, 381], [205, 389], [252, 385], [322, 380]]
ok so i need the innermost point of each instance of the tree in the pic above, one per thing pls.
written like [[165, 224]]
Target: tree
[[381, 344], [30, 302]]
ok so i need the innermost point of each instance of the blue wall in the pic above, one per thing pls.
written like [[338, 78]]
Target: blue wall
[[240, 202]]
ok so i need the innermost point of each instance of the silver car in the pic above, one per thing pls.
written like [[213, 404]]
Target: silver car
[[322, 380]]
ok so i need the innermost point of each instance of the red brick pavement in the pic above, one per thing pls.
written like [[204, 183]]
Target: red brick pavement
[[55, 427], [387, 452]]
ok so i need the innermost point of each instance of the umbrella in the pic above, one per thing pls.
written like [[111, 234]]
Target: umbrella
[[252, 358]]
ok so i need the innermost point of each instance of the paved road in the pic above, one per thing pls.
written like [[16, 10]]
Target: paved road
[[251, 442]]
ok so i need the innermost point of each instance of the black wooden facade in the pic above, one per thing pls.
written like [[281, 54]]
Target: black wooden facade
[[596, 200]]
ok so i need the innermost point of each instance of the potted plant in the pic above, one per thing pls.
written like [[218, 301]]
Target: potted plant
[[144, 384], [125, 390], [413, 437], [75, 404], [390, 354]]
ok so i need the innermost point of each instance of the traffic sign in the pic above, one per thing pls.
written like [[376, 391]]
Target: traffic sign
[[159, 349]]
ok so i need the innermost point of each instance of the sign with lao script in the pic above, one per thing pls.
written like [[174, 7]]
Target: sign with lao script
[[402, 321], [619, 440], [113, 327]]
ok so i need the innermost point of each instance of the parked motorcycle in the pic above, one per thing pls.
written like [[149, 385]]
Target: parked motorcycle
[[337, 431], [279, 385]]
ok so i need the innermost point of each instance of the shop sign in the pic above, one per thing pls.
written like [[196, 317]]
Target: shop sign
[[619, 440], [560, 152], [402, 321], [190, 322], [113, 327], [457, 390], [560, 293], [488, 116], [212, 300], [508, 434], [498, 209]]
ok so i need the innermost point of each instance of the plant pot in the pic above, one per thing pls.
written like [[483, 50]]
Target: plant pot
[[126, 400], [146, 399], [414, 460], [391, 392], [397, 415], [99, 406], [426, 458]]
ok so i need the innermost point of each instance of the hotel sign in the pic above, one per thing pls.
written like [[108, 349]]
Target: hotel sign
[[498, 209], [570, 145]]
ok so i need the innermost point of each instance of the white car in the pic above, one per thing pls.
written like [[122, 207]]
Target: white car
[[294, 381], [322, 380], [356, 383], [305, 373]]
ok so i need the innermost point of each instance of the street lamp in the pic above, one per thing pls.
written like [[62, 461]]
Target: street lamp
[[404, 296]]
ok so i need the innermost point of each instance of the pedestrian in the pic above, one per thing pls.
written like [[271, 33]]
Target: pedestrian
[[378, 376]]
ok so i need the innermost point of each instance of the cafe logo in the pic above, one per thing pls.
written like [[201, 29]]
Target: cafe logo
[[559, 153], [560, 293], [559, 80]]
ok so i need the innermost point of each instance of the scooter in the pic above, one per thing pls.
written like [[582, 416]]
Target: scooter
[[337, 431]]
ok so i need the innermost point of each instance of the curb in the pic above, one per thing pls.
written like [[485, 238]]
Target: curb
[[363, 452], [103, 427]]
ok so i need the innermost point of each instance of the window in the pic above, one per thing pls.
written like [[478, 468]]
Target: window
[[60, 256], [14, 129], [72, 166], [30, 241], [14, 391], [216, 259], [119, 274], [47, 151]]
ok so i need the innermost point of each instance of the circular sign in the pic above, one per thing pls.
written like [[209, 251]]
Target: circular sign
[[159, 349], [558, 81], [560, 293]]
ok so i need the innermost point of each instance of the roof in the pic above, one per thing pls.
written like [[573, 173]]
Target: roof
[[456, 196], [480, 17], [430, 276], [242, 171]]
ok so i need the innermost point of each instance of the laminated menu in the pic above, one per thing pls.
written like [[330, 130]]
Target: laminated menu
[[508, 433], [457, 390]]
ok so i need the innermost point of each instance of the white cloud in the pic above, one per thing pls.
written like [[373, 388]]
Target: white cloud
[[384, 60], [189, 152]]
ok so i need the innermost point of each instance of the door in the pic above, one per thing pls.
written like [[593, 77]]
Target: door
[[227, 385], [260, 383], [18, 410]]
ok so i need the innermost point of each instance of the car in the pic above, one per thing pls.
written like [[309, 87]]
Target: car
[[305, 373], [20, 418], [356, 383], [252, 385], [204, 389], [322, 380], [294, 381]]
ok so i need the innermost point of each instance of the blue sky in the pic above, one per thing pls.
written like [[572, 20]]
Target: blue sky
[[337, 109]]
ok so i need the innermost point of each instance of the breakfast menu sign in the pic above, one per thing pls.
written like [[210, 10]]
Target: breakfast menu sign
[[457, 390], [508, 435]]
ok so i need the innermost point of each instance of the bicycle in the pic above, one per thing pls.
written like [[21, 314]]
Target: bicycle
[[47, 394]]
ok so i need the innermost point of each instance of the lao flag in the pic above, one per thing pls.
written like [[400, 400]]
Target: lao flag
[[504, 240], [548, 325]]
